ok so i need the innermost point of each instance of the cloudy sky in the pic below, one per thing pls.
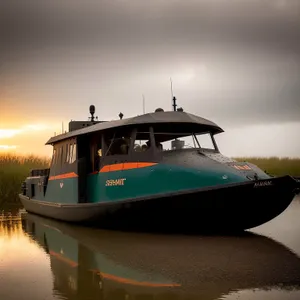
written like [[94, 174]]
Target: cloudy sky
[[234, 62]]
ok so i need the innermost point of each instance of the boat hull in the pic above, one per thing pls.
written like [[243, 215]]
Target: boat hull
[[298, 184], [231, 207]]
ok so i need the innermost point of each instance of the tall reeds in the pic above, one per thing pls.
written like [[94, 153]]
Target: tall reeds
[[13, 170], [274, 165]]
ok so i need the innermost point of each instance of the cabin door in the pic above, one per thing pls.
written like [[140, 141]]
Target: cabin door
[[83, 159]]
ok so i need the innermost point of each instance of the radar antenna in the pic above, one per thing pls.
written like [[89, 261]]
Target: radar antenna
[[92, 111]]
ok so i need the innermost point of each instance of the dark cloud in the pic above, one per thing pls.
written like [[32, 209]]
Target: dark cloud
[[230, 60], [129, 24]]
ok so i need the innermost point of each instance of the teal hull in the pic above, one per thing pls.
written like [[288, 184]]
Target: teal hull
[[237, 206]]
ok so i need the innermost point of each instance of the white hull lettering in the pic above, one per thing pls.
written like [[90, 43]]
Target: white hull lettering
[[114, 182], [263, 183]]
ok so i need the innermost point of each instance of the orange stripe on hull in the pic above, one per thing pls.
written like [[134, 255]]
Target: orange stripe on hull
[[64, 259], [126, 166], [134, 282], [63, 176]]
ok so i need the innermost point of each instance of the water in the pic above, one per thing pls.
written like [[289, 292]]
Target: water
[[46, 259]]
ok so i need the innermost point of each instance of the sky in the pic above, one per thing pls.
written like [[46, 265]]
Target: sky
[[234, 62]]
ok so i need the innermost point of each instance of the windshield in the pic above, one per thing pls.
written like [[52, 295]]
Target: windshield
[[192, 141]]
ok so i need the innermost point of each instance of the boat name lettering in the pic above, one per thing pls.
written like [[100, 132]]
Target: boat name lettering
[[111, 182], [263, 183]]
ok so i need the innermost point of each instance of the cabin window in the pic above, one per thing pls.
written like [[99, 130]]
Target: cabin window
[[164, 142], [95, 154], [118, 145], [57, 156], [176, 141], [72, 153], [205, 141], [66, 157], [53, 157], [70, 150], [142, 142], [166, 145]]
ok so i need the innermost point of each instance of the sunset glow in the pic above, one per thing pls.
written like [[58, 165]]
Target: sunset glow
[[27, 139], [8, 147], [8, 133]]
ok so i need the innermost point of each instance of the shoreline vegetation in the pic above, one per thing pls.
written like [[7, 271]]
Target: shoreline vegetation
[[275, 166], [14, 169]]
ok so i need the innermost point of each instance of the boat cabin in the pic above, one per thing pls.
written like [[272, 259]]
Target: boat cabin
[[139, 138], [92, 146]]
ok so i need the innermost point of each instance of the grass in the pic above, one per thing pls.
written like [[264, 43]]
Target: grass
[[14, 169], [274, 165]]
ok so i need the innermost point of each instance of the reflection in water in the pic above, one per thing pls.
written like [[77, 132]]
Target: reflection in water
[[285, 227], [82, 272], [63, 261], [265, 294]]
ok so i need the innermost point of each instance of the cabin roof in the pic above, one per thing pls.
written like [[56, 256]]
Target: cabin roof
[[156, 118]]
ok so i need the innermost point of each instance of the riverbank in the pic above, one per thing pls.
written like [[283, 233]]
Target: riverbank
[[274, 165], [13, 170]]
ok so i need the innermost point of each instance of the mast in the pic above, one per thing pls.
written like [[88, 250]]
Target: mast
[[173, 98], [174, 103]]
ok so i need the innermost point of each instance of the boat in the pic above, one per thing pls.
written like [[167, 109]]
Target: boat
[[298, 181], [161, 169]]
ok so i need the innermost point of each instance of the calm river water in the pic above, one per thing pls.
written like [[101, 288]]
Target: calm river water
[[42, 259]]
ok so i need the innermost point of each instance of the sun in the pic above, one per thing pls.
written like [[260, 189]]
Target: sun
[[26, 138], [8, 133], [8, 147]]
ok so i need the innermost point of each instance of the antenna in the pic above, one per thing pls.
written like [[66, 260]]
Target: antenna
[[143, 104], [62, 127], [171, 87], [173, 98]]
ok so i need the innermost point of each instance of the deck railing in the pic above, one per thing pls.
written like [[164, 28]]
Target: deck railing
[[40, 172]]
